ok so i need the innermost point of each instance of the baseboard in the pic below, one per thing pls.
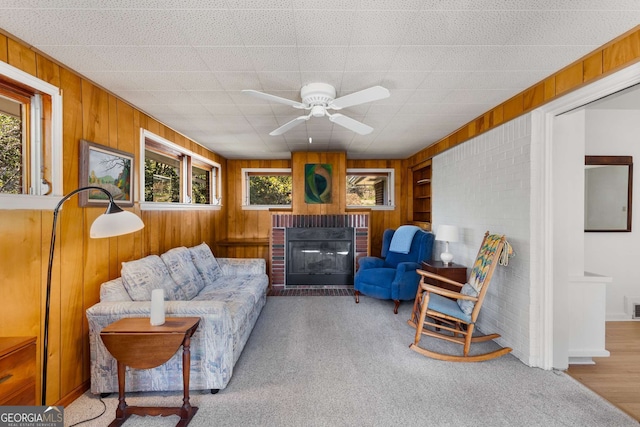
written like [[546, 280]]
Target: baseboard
[[74, 394]]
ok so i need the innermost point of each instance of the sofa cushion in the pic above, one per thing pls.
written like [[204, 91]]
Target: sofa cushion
[[206, 263], [140, 277], [114, 290], [183, 271]]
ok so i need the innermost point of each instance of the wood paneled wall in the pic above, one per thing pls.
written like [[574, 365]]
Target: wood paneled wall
[[256, 224], [611, 57], [81, 264]]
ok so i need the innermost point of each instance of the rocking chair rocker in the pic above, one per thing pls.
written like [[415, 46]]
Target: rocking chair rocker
[[451, 315]]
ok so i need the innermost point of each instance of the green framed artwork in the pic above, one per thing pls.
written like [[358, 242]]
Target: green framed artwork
[[317, 183]]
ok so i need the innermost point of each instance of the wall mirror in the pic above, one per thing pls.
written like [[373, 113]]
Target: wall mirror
[[607, 193]]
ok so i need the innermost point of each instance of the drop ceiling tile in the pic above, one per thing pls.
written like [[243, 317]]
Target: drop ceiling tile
[[233, 81], [35, 28], [549, 58], [212, 97], [408, 80], [272, 81], [418, 58], [138, 98], [388, 110], [330, 28], [325, 4], [553, 27], [220, 109], [322, 58], [467, 27], [225, 58], [259, 4], [274, 58], [354, 81], [195, 80], [370, 58], [260, 110], [266, 27], [492, 96], [412, 5], [382, 27], [206, 27]]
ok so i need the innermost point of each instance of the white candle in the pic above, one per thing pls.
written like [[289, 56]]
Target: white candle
[[157, 307]]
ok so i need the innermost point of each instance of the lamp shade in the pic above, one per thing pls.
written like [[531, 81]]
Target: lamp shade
[[115, 224], [447, 233]]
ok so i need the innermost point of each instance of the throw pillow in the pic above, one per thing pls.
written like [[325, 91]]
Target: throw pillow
[[140, 277], [206, 263], [465, 305], [183, 271]]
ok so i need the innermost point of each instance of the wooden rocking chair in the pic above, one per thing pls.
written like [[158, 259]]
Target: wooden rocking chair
[[452, 315]]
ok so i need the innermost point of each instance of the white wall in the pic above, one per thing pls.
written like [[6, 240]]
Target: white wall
[[484, 184], [616, 133]]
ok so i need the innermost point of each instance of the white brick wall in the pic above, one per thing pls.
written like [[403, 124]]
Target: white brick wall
[[484, 184]]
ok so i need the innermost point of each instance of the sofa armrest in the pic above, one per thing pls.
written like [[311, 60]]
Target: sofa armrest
[[242, 266]]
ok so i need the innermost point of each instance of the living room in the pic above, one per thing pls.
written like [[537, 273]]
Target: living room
[[91, 111]]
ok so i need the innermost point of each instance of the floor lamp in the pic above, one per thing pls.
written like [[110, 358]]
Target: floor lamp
[[114, 222]]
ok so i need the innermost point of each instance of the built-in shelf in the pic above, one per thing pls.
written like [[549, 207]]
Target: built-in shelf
[[420, 211]]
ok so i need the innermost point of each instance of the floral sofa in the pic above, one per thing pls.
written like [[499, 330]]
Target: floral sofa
[[226, 293]]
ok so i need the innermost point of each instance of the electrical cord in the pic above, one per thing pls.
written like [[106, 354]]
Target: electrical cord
[[104, 409]]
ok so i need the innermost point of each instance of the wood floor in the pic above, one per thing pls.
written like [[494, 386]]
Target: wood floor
[[616, 378]]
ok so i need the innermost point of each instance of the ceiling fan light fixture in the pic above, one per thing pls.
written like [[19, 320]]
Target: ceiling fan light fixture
[[318, 98], [318, 111]]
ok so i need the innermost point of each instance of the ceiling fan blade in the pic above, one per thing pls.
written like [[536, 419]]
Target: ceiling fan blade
[[273, 98], [367, 95], [351, 124], [289, 125]]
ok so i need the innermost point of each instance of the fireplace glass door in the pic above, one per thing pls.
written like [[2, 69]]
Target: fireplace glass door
[[320, 256]]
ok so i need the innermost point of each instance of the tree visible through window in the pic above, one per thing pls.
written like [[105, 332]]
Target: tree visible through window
[[201, 185], [270, 189], [11, 159], [161, 178], [264, 187]]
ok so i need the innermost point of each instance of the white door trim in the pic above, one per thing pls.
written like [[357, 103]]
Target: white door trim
[[542, 121]]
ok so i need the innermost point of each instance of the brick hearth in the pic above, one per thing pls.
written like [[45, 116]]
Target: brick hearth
[[280, 222]]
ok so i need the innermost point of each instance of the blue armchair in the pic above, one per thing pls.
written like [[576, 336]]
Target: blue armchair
[[393, 277]]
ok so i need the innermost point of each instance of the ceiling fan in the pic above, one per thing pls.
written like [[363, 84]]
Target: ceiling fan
[[320, 97]]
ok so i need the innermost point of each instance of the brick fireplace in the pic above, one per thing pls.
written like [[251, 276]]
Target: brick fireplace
[[277, 244]]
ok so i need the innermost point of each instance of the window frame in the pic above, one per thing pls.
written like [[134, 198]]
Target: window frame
[[265, 171], [391, 183], [170, 149], [40, 196]]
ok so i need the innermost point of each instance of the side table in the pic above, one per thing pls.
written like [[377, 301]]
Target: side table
[[134, 342], [451, 271]]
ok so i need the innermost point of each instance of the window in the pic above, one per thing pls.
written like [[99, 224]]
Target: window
[[202, 175], [176, 177], [13, 152], [30, 140], [372, 188], [264, 188]]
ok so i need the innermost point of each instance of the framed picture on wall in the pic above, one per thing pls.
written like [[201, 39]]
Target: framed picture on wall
[[317, 183], [108, 168]]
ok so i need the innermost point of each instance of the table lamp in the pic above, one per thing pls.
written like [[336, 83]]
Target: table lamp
[[114, 222], [447, 233]]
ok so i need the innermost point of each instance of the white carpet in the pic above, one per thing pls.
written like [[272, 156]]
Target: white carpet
[[325, 361]]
